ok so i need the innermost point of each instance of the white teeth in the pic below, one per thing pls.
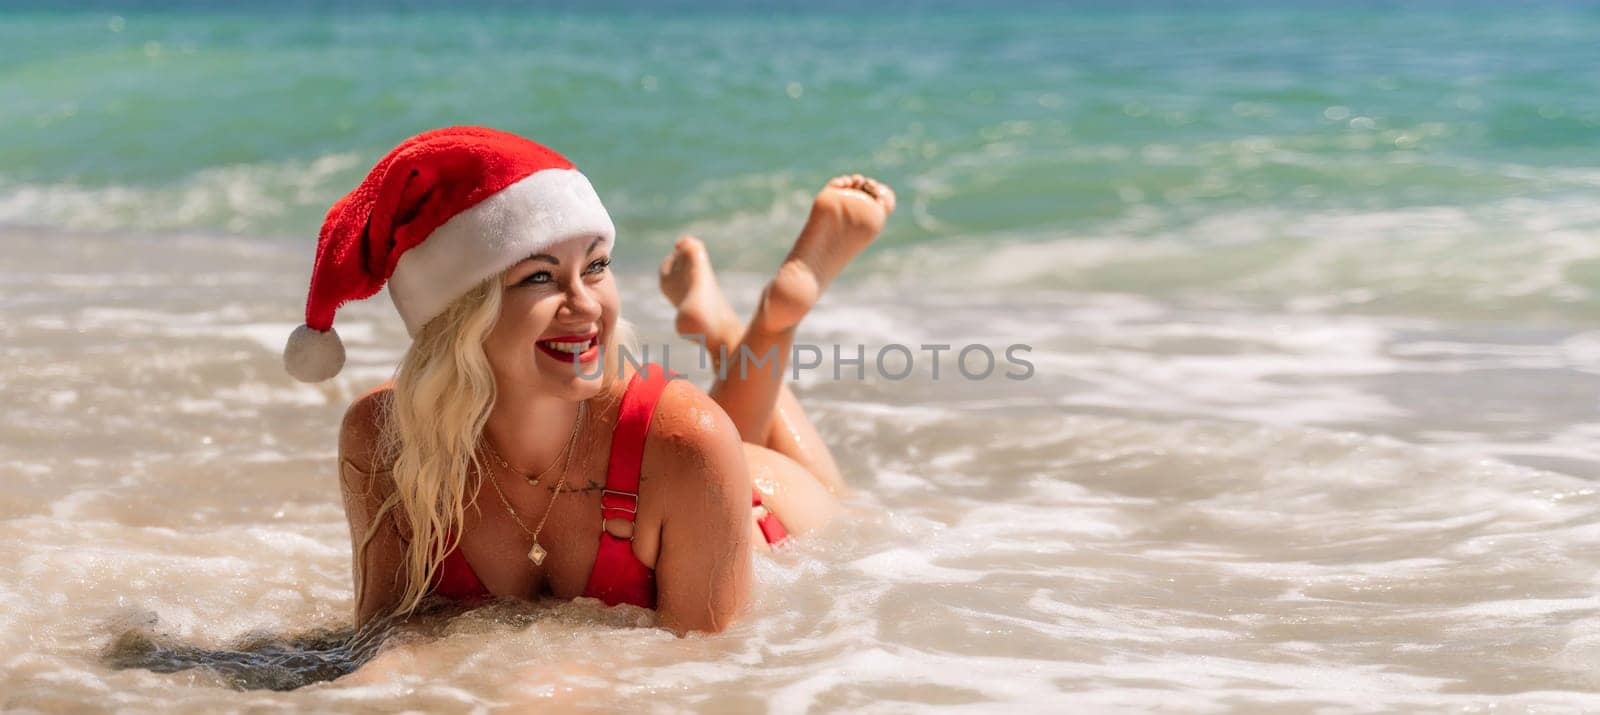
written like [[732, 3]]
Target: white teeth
[[566, 347]]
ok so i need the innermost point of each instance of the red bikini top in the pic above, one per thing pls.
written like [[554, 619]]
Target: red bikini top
[[618, 576]]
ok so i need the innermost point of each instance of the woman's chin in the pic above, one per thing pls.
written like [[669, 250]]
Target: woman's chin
[[573, 381], [581, 388]]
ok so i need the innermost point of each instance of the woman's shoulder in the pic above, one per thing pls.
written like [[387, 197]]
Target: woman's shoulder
[[363, 473], [685, 415], [361, 430], [697, 440]]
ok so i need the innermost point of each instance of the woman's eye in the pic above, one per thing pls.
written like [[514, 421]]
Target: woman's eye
[[599, 265], [536, 277]]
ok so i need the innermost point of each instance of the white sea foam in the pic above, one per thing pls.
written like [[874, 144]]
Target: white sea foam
[[1189, 505], [240, 198]]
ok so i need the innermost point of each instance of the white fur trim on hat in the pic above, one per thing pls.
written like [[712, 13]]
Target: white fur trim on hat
[[518, 221]]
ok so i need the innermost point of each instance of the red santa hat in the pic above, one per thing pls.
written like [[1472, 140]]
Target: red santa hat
[[437, 215]]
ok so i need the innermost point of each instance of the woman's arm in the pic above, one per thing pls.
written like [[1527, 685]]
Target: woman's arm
[[378, 568], [703, 570]]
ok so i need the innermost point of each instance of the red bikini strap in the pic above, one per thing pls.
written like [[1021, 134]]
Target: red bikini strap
[[620, 500]]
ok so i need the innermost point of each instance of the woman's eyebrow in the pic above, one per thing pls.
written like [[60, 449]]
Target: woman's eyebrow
[[556, 261]]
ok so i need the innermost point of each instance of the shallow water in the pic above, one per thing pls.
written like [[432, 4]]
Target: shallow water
[[1181, 508], [1310, 297]]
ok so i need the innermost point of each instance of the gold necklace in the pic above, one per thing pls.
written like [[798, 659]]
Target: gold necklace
[[537, 553], [533, 480]]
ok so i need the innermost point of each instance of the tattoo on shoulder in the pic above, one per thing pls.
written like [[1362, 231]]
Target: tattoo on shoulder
[[589, 488]]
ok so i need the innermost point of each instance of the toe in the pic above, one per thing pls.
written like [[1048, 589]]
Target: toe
[[881, 192]]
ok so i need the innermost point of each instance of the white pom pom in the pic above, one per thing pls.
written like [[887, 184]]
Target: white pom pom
[[312, 355]]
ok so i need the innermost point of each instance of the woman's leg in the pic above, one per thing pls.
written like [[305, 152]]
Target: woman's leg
[[706, 314], [845, 217]]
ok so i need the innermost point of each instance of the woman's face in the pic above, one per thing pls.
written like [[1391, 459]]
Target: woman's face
[[556, 308]]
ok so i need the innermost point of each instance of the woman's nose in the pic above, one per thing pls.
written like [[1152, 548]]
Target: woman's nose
[[581, 302]]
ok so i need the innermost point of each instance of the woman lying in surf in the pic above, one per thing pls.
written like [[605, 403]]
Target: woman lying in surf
[[514, 454]]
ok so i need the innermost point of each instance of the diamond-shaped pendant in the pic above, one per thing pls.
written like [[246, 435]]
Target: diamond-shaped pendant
[[536, 554]]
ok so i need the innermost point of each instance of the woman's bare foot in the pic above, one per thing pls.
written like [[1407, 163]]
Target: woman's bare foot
[[689, 284], [847, 214]]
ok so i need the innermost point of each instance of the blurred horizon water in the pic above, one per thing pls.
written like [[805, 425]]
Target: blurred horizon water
[[1458, 136], [1313, 296]]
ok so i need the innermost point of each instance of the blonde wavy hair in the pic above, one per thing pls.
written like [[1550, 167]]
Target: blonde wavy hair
[[443, 392]]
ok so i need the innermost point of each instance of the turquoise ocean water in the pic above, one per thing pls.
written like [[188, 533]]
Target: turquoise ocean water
[[1310, 290], [1427, 158]]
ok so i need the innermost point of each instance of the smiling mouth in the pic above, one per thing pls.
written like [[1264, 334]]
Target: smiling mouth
[[567, 348]]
